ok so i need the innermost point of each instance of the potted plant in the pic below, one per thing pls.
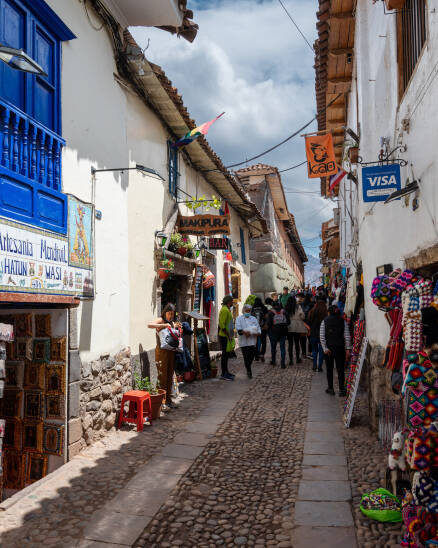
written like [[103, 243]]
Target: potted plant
[[189, 247], [176, 242], [157, 394], [166, 268]]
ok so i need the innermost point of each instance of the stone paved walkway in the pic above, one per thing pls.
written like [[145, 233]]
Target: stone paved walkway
[[250, 463], [322, 513]]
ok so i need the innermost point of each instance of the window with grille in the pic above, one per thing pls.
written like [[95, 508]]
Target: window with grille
[[172, 153], [411, 39]]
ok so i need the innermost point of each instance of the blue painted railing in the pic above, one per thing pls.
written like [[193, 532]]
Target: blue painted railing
[[30, 171], [29, 148]]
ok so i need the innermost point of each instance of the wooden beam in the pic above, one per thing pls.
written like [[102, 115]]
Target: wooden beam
[[341, 16], [341, 51], [340, 80]]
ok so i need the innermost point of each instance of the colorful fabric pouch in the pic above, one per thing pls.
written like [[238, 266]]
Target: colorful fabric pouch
[[381, 505], [422, 407]]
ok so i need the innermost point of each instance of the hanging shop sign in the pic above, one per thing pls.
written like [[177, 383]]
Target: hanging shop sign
[[197, 293], [320, 153], [37, 261], [378, 182], [218, 243], [204, 225]]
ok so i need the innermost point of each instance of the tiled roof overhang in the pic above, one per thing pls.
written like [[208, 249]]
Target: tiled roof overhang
[[334, 69]]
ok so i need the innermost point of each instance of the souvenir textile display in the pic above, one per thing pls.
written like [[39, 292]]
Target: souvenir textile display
[[358, 334], [34, 370]]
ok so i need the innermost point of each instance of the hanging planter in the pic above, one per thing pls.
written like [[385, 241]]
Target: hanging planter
[[182, 251], [163, 274], [394, 4]]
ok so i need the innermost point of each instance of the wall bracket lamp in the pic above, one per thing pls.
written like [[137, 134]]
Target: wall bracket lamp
[[138, 167], [18, 59]]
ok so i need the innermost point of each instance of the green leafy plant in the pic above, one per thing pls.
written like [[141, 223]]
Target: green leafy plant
[[205, 203], [144, 384], [176, 241], [168, 265]]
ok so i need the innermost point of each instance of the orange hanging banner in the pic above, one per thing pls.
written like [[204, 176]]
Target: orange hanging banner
[[321, 161]]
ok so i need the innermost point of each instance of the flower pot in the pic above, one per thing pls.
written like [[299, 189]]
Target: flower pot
[[163, 274], [157, 401], [353, 154], [394, 4], [182, 251], [189, 376], [180, 378], [213, 373]]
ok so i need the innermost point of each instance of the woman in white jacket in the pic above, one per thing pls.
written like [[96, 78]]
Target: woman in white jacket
[[248, 329]]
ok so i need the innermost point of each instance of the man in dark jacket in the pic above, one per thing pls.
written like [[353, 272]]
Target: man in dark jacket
[[278, 320], [335, 341]]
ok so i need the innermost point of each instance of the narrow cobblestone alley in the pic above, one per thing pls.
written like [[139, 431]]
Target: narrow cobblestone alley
[[206, 481]]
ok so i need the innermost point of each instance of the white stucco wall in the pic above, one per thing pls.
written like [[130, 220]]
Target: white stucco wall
[[390, 233], [106, 125]]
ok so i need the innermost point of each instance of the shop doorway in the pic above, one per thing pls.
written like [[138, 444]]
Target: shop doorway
[[34, 404], [174, 291]]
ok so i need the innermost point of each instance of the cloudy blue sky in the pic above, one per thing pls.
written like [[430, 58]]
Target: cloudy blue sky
[[249, 61]]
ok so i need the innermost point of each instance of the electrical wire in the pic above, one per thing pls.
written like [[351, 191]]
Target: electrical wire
[[296, 26], [274, 147], [293, 167]]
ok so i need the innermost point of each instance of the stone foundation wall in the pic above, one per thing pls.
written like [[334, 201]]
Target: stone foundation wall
[[102, 385]]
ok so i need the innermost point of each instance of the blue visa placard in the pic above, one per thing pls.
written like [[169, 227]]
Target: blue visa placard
[[378, 182]]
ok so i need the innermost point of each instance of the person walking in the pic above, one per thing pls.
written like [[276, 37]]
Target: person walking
[[248, 329], [336, 343], [260, 311], [165, 359], [226, 335], [284, 297], [278, 320], [315, 317], [296, 329]]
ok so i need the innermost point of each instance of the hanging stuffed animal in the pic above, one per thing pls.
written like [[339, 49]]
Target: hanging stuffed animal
[[396, 459]]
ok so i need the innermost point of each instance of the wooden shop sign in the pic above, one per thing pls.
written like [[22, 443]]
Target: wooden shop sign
[[218, 243], [204, 225]]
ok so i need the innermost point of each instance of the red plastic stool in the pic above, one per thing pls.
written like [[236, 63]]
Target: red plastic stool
[[139, 407]]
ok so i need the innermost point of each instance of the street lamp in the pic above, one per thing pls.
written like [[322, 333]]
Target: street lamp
[[138, 167], [19, 60]]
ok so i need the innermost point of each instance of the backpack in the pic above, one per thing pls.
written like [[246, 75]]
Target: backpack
[[258, 314], [279, 319]]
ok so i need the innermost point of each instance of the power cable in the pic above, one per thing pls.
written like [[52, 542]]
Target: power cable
[[274, 147], [293, 167], [296, 26], [279, 144]]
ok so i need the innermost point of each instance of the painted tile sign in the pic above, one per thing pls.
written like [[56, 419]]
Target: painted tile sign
[[80, 242], [37, 261]]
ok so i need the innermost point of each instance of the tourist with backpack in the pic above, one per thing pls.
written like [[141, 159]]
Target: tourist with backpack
[[278, 320], [336, 342], [260, 311]]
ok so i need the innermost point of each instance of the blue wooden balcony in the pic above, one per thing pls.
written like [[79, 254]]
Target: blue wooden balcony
[[30, 171]]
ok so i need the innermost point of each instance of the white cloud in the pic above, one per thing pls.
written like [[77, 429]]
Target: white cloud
[[249, 61]]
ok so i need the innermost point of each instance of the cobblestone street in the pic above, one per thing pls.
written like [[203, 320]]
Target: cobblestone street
[[273, 473]]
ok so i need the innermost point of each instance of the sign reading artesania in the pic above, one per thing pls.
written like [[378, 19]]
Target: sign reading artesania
[[378, 182], [204, 225], [36, 261]]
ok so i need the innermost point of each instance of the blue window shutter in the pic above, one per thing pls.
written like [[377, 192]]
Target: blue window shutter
[[172, 154], [13, 33], [242, 246]]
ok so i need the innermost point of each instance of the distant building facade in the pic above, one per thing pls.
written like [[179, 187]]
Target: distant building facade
[[278, 257]]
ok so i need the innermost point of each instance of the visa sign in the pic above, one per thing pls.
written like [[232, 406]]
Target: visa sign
[[378, 182]]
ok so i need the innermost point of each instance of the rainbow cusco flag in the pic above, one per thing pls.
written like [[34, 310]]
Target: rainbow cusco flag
[[195, 133]]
